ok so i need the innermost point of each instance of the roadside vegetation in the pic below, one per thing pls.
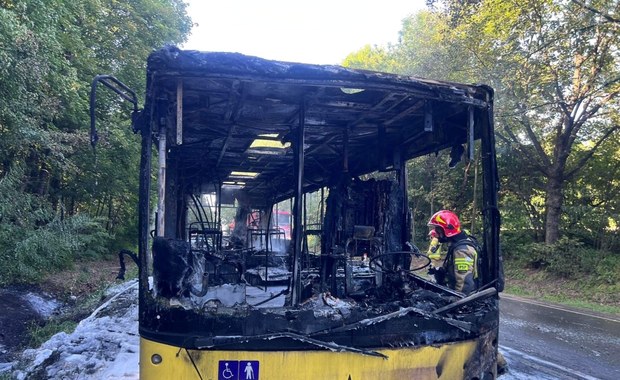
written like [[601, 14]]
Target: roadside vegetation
[[40, 334], [62, 202], [567, 272], [554, 65], [81, 289]]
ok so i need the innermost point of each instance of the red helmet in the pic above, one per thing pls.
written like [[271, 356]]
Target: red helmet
[[448, 221]]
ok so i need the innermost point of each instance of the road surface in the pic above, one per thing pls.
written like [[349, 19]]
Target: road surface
[[542, 341]]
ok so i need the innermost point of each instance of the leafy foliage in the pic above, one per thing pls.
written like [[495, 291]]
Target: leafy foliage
[[41, 334], [33, 239], [370, 58], [567, 258], [433, 186], [554, 65], [59, 200]]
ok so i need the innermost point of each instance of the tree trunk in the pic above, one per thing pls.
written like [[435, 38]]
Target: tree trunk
[[553, 207]]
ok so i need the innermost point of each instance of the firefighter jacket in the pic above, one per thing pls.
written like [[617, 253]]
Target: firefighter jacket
[[435, 253], [461, 264], [434, 249]]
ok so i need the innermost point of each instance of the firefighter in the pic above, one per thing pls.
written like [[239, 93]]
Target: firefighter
[[460, 267], [435, 250]]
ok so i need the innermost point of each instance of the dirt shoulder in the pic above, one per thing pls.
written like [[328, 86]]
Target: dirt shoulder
[[62, 299], [84, 279]]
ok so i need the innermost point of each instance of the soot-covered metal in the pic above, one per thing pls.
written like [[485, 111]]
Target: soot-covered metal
[[354, 120], [233, 129]]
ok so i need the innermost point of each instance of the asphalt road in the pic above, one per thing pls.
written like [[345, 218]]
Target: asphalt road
[[542, 341]]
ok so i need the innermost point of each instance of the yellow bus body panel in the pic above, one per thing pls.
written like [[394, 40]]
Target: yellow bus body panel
[[445, 361]]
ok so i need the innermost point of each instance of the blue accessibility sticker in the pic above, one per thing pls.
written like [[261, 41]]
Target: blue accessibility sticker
[[238, 370], [248, 370], [228, 370]]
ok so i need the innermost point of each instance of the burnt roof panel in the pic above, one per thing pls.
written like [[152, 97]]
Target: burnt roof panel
[[230, 99]]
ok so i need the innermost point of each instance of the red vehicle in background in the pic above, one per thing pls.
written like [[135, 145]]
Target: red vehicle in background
[[281, 221]]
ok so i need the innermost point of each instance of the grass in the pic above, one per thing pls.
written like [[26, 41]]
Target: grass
[[517, 290], [567, 272], [83, 287], [40, 334], [583, 293]]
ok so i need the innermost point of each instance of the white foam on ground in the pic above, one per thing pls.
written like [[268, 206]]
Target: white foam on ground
[[45, 307], [103, 346]]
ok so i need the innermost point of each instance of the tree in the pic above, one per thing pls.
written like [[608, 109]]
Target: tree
[[593, 203], [424, 50], [370, 58], [555, 66], [610, 15], [49, 53], [434, 186]]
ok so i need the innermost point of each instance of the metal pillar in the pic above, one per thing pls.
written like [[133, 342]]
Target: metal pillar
[[298, 206]]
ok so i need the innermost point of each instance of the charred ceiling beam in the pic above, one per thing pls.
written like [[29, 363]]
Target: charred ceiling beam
[[232, 114], [413, 138], [198, 130], [378, 107], [404, 97], [202, 84], [260, 128], [416, 106], [270, 185], [336, 105], [323, 144], [293, 117]]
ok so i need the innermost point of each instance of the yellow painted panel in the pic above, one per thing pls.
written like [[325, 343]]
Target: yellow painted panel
[[442, 362]]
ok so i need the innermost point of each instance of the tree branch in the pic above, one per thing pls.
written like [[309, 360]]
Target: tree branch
[[532, 136], [587, 114], [596, 11], [519, 147], [591, 152]]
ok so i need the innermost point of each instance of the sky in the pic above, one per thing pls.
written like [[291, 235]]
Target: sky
[[315, 31]]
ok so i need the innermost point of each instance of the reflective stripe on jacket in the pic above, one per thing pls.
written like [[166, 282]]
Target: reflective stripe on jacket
[[461, 266]]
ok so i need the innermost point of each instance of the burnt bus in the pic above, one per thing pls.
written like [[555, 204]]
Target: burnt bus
[[235, 136]]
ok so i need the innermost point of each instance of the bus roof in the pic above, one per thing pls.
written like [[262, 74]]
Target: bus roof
[[236, 117]]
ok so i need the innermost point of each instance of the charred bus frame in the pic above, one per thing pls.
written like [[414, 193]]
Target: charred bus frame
[[330, 126]]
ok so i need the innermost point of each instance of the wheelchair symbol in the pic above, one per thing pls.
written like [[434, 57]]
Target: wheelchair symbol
[[227, 373]]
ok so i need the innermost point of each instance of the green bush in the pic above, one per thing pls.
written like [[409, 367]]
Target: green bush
[[516, 247], [30, 251], [567, 258], [34, 239], [608, 269]]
